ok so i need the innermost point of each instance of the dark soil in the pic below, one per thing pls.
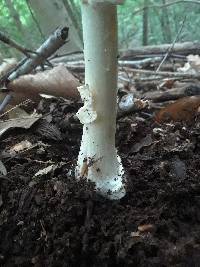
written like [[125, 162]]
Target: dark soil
[[54, 220]]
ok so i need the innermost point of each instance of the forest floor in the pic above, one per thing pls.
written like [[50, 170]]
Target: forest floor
[[51, 219]]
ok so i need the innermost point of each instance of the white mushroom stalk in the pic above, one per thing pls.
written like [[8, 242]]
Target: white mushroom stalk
[[98, 159]]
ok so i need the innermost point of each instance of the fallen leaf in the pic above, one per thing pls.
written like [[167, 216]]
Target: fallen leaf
[[48, 130], [146, 228], [56, 82], [184, 109], [21, 146], [46, 170], [146, 141], [25, 122]]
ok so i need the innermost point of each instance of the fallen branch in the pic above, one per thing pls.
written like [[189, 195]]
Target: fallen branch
[[172, 45], [185, 48], [173, 94], [165, 74], [143, 63], [180, 50], [7, 40], [53, 43]]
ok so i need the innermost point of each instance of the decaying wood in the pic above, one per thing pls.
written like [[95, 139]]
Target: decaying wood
[[173, 94], [180, 50], [143, 63], [185, 48], [178, 75]]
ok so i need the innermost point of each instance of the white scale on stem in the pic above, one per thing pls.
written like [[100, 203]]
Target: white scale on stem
[[99, 95]]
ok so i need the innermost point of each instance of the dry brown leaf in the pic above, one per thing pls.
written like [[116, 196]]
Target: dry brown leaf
[[57, 82], [21, 146], [184, 109], [144, 142], [25, 123]]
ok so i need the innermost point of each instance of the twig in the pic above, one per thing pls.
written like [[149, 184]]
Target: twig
[[52, 44], [172, 45], [66, 54], [5, 102], [7, 40], [184, 48], [165, 73], [24, 103], [190, 89]]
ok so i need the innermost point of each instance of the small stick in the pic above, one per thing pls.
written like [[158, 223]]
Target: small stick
[[172, 46], [24, 103], [7, 40], [53, 43]]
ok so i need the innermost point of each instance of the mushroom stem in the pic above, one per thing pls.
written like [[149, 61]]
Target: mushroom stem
[[99, 94]]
